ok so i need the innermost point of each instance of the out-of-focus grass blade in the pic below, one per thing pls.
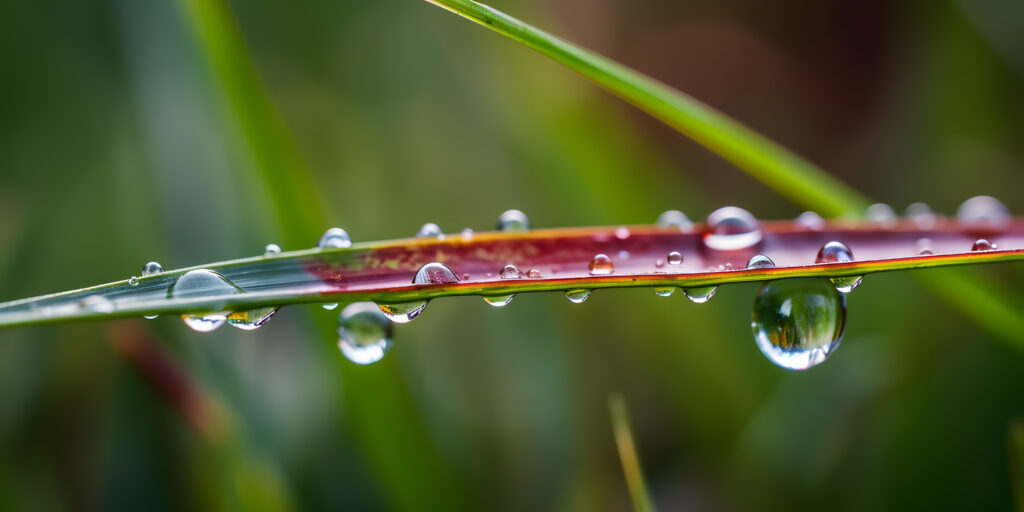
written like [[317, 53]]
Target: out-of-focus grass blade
[[627, 454]]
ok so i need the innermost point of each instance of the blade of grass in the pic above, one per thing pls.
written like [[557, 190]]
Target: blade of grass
[[627, 454]]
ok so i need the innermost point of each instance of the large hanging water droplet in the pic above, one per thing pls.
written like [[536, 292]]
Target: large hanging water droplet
[[983, 245], [701, 294], [272, 249], [759, 261], [664, 291], [334, 238], [838, 252], [730, 228], [797, 323], [984, 210], [152, 268], [251, 319], [810, 220], [577, 296], [499, 301], [881, 213], [922, 215], [675, 258], [203, 283], [431, 273], [601, 265], [675, 218], [512, 220], [365, 333], [430, 230], [510, 271]]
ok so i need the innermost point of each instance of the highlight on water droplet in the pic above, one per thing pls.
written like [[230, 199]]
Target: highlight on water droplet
[[797, 323], [533, 274], [272, 249], [512, 220], [675, 218], [435, 273], [467, 235], [601, 265], [365, 333], [664, 291], [499, 301], [810, 220], [251, 319], [403, 312], [983, 245], [838, 252], [334, 238], [675, 258], [700, 295], [984, 211], [203, 283], [922, 215], [622, 233], [509, 271], [431, 273], [881, 213], [429, 230], [152, 268], [577, 296], [730, 228], [760, 261]]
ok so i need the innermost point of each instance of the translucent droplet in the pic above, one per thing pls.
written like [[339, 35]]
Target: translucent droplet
[[431, 273], [924, 246], [659, 263], [881, 213], [272, 249], [600, 265], [922, 215], [533, 274], [429, 230], [334, 238], [403, 312], [983, 245], [700, 295], [330, 306], [730, 228], [675, 218], [152, 268], [365, 333], [810, 220], [622, 233], [204, 323], [797, 323], [133, 281], [512, 220], [203, 283], [252, 319], [838, 252], [577, 296], [98, 304], [760, 261], [985, 210], [509, 271], [675, 258], [467, 235], [499, 301], [664, 291]]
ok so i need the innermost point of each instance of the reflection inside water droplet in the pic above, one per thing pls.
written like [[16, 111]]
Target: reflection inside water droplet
[[577, 296], [675, 258], [701, 294], [334, 238], [203, 283], [730, 228], [983, 245], [499, 301], [838, 252], [403, 312], [431, 273], [760, 261], [664, 291], [509, 272], [251, 319], [365, 333], [512, 220], [600, 265], [797, 323]]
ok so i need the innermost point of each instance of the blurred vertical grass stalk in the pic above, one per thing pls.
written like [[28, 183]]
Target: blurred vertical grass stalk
[[379, 414], [627, 454], [1016, 448]]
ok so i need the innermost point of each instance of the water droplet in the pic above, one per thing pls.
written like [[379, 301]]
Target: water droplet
[[533, 274], [924, 246], [204, 323], [431, 273], [272, 249], [760, 261], [664, 291], [152, 268], [512, 220], [622, 233], [252, 319], [983, 245], [133, 281], [365, 333], [730, 228], [98, 304], [600, 265], [577, 296], [797, 323], [700, 295], [149, 317], [922, 215], [467, 235], [983, 210], [429, 230], [810, 220], [838, 252], [334, 238], [675, 218], [675, 258], [330, 306], [509, 271], [203, 283], [659, 263], [403, 312], [499, 301], [881, 213]]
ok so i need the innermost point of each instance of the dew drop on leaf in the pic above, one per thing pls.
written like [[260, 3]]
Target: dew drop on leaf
[[431, 273], [203, 283], [922, 215], [983, 210], [730, 228], [499, 301], [881, 213], [152, 268], [271, 249], [509, 272], [622, 233], [403, 312], [600, 265], [664, 291], [365, 333], [760, 261], [512, 220], [429, 230], [700, 295], [810, 220], [675, 218], [334, 238], [675, 258], [251, 319], [797, 323], [983, 245], [577, 296], [838, 252], [329, 306]]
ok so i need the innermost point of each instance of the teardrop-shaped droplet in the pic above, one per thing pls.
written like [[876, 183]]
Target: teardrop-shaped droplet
[[509, 271], [797, 323], [838, 252], [272, 249], [664, 291], [251, 319], [881, 213], [730, 228], [512, 220], [430, 230], [403, 312], [499, 301], [983, 210], [152, 268], [329, 306], [675, 258], [922, 215], [700, 295], [983, 245], [334, 238], [203, 283], [675, 218], [760, 261], [601, 265], [365, 333], [810, 220], [97, 304], [577, 296]]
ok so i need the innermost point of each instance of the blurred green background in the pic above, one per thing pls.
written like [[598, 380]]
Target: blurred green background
[[133, 130]]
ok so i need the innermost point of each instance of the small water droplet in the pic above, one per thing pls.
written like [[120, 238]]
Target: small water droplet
[[272, 249], [98, 304], [252, 319], [983, 210], [435, 273], [983, 245], [730, 228], [334, 238], [924, 246], [577, 296], [675, 258], [204, 323], [203, 283], [881, 213], [664, 291], [499, 301], [429, 230], [533, 274], [365, 333], [133, 281], [512, 220], [403, 312], [601, 265], [509, 271], [701, 294], [760, 261], [330, 306], [659, 263], [152, 268], [797, 323], [431, 273], [675, 218], [922, 215], [622, 233], [838, 252], [810, 220], [467, 235]]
